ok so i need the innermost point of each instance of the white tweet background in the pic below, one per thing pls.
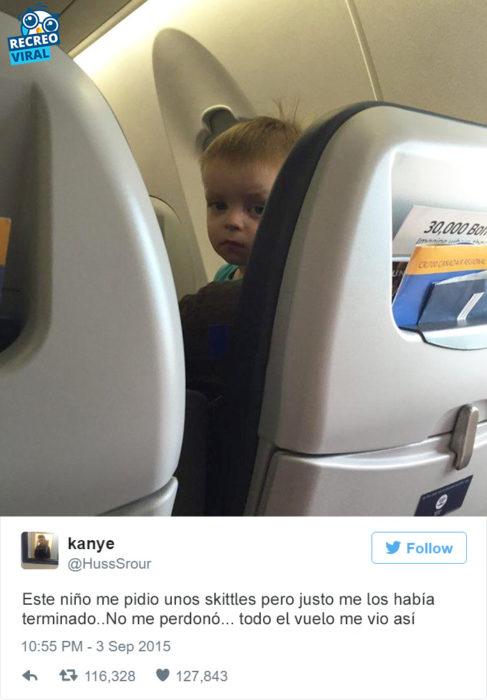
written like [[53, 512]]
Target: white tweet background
[[442, 655]]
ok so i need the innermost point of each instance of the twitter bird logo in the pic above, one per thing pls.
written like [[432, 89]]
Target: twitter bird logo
[[392, 548]]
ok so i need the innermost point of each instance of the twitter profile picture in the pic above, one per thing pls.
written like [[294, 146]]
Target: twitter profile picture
[[39, 550]]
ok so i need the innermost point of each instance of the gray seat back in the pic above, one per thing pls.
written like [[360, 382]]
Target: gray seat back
[[337, 410], [92, 389]]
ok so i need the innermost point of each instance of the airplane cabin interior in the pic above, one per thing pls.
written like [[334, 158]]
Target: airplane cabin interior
[[330, 406]]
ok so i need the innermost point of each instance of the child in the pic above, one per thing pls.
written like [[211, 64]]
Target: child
[[238, 170]]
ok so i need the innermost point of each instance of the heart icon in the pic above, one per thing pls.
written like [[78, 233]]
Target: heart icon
[[162, 674]]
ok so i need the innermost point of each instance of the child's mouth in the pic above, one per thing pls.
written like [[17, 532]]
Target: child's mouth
[[231, 244]]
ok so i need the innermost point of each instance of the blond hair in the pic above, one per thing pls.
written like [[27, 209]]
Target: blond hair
[[262, 139]]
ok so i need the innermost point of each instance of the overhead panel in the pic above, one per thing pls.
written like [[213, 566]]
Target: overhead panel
[[83, 17], [429, 54], [15, 7], [78, 18], [296, 53]]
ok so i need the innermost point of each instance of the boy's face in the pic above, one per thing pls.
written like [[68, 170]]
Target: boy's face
[[236, 196]]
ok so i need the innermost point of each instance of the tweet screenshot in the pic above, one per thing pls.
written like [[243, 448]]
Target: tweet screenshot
[[243, 608]]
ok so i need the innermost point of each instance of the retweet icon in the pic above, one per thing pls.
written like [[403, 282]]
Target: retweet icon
[[392, 548]]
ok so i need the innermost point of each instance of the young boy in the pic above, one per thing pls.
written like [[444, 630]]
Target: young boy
[[238, 170]]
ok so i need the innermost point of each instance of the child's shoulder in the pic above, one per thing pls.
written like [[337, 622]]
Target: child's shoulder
[[225, 273]]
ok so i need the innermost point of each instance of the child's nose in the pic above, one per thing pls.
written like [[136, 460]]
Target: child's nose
[[234, 218]]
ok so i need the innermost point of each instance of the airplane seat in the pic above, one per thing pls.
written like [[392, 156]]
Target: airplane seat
[[188, 271], [332, 409], [192, 469], [207, 319], [203, 456], [92, 398]]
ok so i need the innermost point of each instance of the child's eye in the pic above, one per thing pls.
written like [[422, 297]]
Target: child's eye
[[217, 206], [257, 209]]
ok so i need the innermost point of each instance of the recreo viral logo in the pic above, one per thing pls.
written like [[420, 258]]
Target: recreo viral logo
[[40, 31]]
